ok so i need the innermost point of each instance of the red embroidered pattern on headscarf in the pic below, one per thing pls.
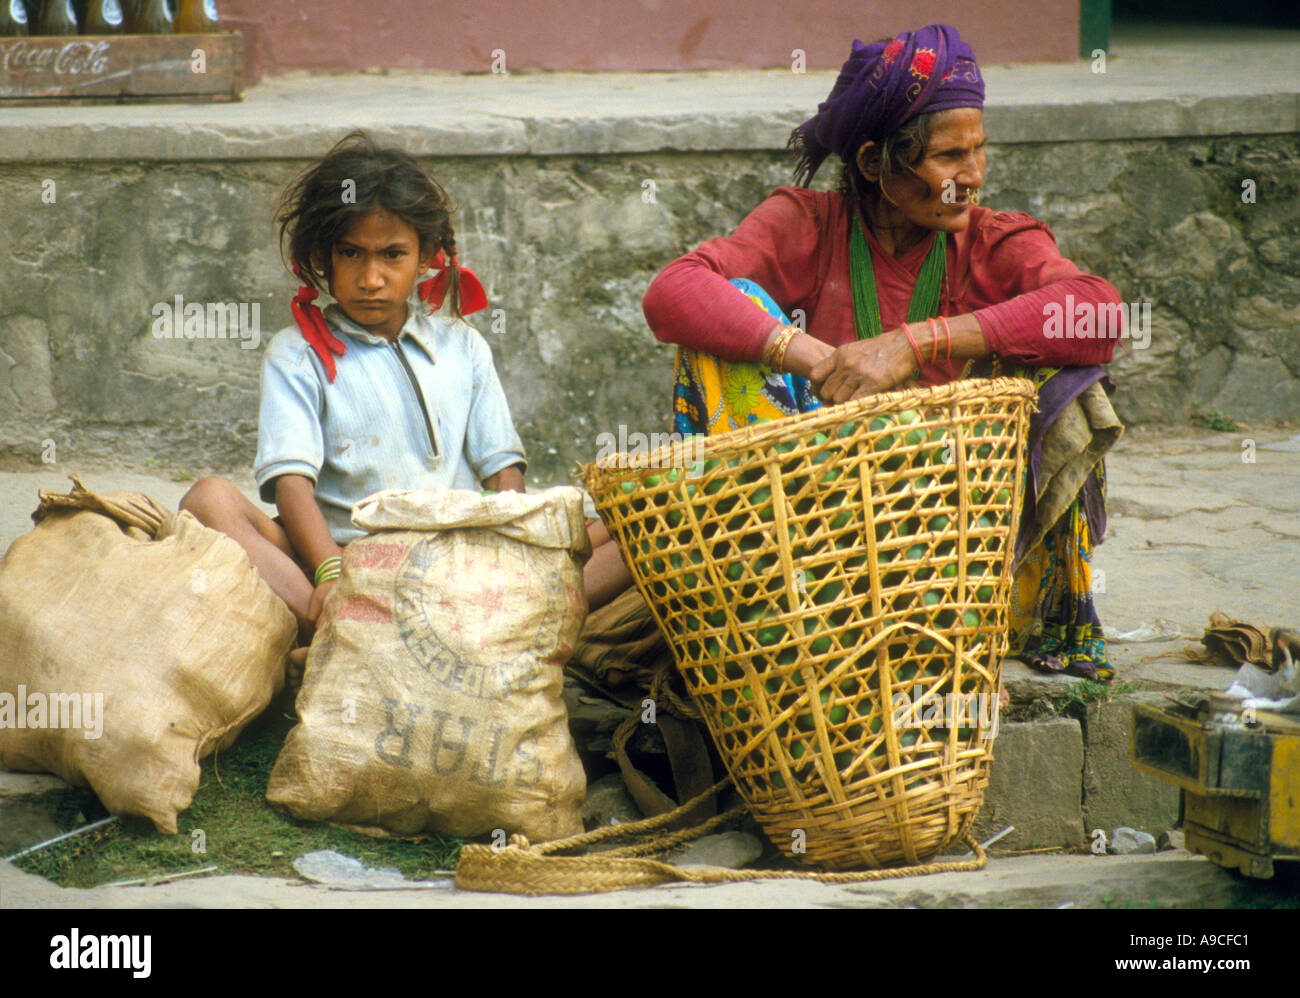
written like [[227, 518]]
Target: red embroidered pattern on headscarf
[[472, 296], [881, 87]]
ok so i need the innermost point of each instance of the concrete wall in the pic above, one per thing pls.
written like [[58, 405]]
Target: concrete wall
[[467, 35], [566, 245]]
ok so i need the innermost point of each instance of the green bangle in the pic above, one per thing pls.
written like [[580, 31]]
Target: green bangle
[[330, 568]]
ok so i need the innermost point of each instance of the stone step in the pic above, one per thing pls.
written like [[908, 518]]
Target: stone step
[[1059, 779]]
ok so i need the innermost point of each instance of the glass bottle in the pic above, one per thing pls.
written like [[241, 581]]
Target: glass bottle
[[57, 18], [104, 17], [197, 17], [153, 17], [13, 18]]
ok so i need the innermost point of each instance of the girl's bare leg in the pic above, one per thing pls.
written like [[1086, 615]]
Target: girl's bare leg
[[605, 575], [216, 503]]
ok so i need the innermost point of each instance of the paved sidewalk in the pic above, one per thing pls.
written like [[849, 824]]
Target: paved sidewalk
[[1166, 880], [1194, 528], [1155, 82]]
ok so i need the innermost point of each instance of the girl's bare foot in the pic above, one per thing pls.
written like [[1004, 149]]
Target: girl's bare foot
[[297, 662], [1004, 698]]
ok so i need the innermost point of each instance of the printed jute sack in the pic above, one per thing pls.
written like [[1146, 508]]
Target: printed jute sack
[[133, 642], [431, 699]]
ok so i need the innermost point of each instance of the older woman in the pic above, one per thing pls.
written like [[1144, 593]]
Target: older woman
[[899, 277]]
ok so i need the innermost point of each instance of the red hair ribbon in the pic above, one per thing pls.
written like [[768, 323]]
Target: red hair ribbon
[[311, 321], [472, 296]]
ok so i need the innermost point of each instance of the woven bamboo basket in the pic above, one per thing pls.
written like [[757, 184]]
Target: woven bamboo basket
[[834, 587]]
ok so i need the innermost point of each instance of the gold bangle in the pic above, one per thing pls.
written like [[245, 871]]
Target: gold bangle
[[774, 355], [769, 351]]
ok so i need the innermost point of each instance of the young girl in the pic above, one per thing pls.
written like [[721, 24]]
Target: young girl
[[373, 393]]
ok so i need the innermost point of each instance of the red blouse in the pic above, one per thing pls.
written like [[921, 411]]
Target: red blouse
[[1004, 267]]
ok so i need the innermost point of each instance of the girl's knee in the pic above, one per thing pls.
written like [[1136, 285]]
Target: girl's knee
[[208, 498]]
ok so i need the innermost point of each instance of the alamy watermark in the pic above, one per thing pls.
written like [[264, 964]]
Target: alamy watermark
[[70, 711], [928, 709], [92, 951], [1087, 320], [652, 450], [213, 320]]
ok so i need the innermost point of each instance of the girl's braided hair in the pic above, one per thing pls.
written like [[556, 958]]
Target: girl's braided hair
[[355, 178]]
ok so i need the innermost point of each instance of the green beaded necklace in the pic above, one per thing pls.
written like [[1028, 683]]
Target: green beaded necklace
[[866, 306]]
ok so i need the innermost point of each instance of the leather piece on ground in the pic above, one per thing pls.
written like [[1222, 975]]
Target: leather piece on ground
[[1229, 643]]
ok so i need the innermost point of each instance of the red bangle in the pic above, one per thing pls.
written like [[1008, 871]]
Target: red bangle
[[915, 349], [934, 341], [948, 333]]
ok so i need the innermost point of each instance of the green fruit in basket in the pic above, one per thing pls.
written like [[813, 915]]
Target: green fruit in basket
[[829, 593], [838, 714], [914, 437], [819, 646], [652, 481], [971, 619], [843, 760], [628, 487], [709, 673], [984, 594]]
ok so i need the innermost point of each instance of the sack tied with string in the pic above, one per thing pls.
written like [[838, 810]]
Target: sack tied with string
[[432, 699], [133, 642]]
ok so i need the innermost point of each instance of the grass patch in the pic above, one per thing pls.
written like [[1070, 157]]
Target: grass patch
[[1086, 692], [240, 831], [1216, 419]]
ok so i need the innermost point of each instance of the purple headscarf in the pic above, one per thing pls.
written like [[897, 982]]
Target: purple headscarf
[[884, 85]]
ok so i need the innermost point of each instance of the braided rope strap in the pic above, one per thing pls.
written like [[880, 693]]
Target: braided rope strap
[[522, 868]]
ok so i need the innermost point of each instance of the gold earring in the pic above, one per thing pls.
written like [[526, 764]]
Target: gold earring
[[972, 196]]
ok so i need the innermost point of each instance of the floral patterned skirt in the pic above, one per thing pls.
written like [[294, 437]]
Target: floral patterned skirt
[[1053, 620]]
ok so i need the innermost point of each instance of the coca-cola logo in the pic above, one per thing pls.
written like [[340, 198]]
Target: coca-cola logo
[[79, 58]]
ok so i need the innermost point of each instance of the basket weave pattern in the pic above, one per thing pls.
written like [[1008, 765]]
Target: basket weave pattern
[[825, 582]]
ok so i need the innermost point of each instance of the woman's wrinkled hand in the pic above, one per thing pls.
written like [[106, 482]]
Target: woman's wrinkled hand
[[864, 367]]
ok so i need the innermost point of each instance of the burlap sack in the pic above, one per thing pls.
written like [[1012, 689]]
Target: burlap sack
[[432, 695], [139, 640]]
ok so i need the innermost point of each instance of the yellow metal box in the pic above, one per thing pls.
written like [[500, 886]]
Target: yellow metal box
[[1240, 777]]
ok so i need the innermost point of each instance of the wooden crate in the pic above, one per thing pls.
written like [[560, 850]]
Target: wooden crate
[[121, 68], [1241, 786]]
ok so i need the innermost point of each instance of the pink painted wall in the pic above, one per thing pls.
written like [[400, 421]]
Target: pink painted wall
[[460, 35]]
